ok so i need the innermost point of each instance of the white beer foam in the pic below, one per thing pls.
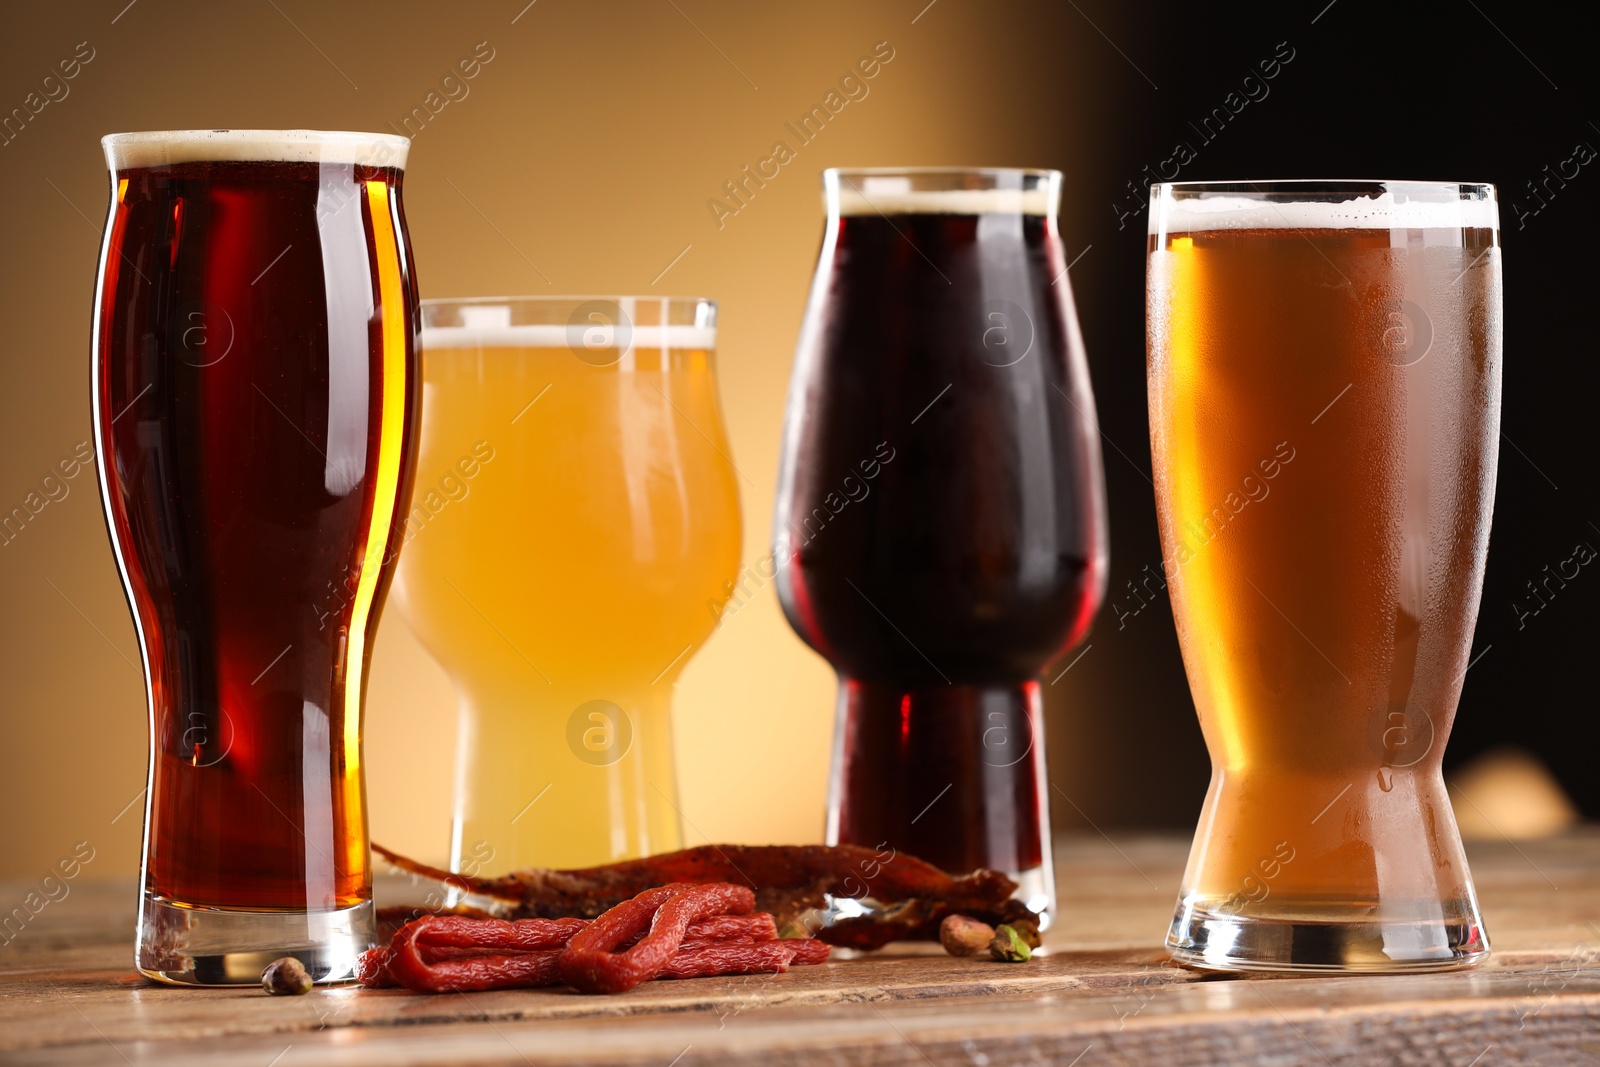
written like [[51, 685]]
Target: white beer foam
[[900, 201], [159, 147], [595, 338], [1381, 212]]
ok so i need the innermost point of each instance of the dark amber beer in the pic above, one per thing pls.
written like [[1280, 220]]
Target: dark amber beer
[[255, 396], [1324, 377]]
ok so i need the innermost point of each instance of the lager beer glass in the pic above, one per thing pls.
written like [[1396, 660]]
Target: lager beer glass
[[1324, 386], [574, 535], [255, 402]]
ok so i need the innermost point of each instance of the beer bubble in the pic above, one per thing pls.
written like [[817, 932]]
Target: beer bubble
[[599, 732], [599, 332]]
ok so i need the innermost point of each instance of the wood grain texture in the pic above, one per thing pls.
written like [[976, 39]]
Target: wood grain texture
[[1105, 994]]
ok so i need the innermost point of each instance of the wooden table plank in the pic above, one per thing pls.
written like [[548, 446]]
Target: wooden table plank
[[70, 996]]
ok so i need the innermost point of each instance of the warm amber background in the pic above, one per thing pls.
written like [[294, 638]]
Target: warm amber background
[[592, 141]]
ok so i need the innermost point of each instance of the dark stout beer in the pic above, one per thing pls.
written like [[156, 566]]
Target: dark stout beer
[[940, 520]]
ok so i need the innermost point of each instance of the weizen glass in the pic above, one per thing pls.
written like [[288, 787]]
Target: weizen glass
[[1324, 375], [940, 531], [255, 403], [576, 513]]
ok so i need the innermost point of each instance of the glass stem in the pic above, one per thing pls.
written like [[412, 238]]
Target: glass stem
[[953, 774], [560, 777]]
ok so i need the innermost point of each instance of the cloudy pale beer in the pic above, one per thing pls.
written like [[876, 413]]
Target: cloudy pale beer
[[1324, 387], [575, 514]]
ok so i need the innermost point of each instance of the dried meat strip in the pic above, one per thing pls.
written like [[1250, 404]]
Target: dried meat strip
[[590, 962], [708, 959], [787, 879], [758, 927], [520, 935], [453, 953]]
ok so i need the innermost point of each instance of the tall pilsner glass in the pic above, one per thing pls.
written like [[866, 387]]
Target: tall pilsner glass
[[940, 531], [1324, 374], [576, 516], [255, 401]]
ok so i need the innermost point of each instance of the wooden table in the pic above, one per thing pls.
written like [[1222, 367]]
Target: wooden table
[[1103, 995]]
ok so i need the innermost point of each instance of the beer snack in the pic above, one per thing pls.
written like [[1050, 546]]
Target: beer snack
[[286, 977], [673, 931], [790, 881], [962, 936], [653, 924], [1009, 946]]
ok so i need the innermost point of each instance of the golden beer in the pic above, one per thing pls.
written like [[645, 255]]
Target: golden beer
[[1324, 379], [575, 511]]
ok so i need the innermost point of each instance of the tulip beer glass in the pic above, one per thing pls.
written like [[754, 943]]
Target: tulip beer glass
[[940, 530], [576, 512]]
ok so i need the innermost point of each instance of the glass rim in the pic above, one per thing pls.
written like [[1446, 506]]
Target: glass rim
[[578, 298], [1317, 203], [1265, 186], [890, 172], [941, 191], [600, 330], [301, 136]]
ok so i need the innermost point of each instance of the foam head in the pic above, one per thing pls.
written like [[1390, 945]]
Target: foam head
[[158, 148], [917, 193], [592, 338], [1426, 207], [577, 323]]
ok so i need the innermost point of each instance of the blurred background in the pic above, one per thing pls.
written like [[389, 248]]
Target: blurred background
[[585, 152]]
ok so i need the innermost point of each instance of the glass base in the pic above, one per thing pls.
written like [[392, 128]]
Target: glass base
[[1035, 888], [197, 946], [951, 774], [1211, 941]]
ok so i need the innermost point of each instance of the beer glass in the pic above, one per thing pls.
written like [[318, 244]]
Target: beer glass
[[1324, 378], [254, 391], [940, 530], [576, 513]]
